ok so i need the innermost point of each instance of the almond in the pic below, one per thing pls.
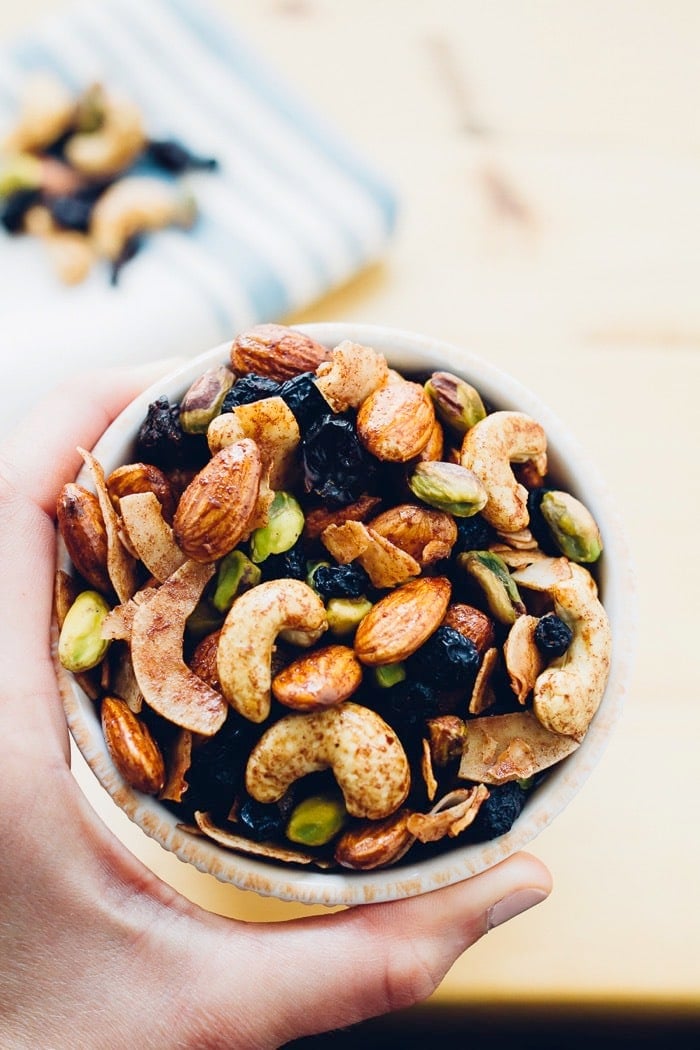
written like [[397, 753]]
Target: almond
[[318, 679], [277, 352], [376, 843], [427, 535], [319, 518], [215, 509], [203, 662], [134, 751], [472, 623], [83, 530], [396, 422], [400, 622], [141, 477]]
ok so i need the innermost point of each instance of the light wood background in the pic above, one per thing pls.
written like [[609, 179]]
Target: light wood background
[[547, 158]]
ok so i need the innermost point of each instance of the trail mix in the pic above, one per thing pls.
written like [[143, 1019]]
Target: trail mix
[[330, 613], [82, 174]]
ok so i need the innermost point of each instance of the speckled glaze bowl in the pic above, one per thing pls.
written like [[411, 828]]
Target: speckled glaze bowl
[[407, 352]]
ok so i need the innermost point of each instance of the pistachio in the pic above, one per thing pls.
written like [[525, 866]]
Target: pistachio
[[80, 644], [456, 402], [491, 573], [18, 172], [317, 820], [204, 398], [572, 526], [283, 529], [236, 574], [386, 675], [345, 615], [448, 487]]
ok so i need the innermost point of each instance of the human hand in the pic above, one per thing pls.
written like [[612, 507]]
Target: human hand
[[94, 949]]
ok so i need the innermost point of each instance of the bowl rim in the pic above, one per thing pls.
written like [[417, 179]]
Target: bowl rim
[[406, 879]]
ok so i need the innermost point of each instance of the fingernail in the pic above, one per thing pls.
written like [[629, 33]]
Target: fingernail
[[513, 905]]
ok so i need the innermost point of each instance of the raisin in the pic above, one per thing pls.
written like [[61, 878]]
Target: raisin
[[72, 213], [473, 534], [262, 821], [552, 636], [172, 156], [341, 581], [407, 706], [448, 660], [289, 565], [500, 810], [304, 399], [249, 388], [14, 208], [162, 442], [336, 466]]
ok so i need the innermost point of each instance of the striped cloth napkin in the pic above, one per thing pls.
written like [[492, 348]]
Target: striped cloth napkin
[[291, 212]]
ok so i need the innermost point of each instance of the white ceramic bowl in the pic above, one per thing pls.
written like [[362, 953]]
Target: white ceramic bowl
[[568, 464]]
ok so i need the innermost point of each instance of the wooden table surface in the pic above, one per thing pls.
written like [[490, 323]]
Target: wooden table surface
[[547, 159]]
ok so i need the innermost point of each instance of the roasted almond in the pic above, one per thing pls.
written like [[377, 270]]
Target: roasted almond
[[396, 422], [472, 623], [277, 352], [375, 843], [141, 477], [434, 449], [427, 535], [83, 530], [318, 679], [134, 751], [320, 517], [203, 661], [401, 621], [215, 509]]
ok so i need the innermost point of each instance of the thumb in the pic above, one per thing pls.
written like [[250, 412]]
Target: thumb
[[313, 975]]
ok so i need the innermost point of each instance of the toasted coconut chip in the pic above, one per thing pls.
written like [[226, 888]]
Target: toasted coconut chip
[[122, 680], [178, 764], [119, 621], [523, 659], [168, 685], [385, 563], [450, 816], [521, 559], [121, 566], [515, 746], [541, 574], [150, 535], [522, 540], [426, 765], [320, 518], [256, 849], [483, 695]]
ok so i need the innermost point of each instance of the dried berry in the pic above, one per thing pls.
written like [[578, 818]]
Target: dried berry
[[71, 212], [162, 442], [448, 660], [552, 636], [175, 158], [340, 581], [473, 534], [249, 388], [14, 207], [304, 399], [289, 565], [407, 706], [499, 811], [262, 821], [336, 467], [537, 524]]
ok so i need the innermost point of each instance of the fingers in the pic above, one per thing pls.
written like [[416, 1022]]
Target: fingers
[[40, 456], [313, 975]]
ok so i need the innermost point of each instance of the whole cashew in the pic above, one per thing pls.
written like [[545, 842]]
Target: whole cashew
[[489, 448], [244, 655], [116, 143], [363, 752], [568, 692], [136, 204]]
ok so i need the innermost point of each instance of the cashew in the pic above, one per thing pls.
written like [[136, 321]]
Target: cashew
[[352, 374], [569, 691], [244, 655], [117, 141], [488, 450], [136, 204], [363, 752], [271, 425]]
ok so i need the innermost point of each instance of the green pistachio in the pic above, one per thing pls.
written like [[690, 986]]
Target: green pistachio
[[317, 820], [500, 590], [20, 171], [236, 574], [344, 615], [80, 644], [386, 675], [457, 404], [572, 526], [203, 400], [448, 487], [283, 529]]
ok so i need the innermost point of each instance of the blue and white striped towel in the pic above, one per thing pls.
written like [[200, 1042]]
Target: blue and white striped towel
[[292, 212]]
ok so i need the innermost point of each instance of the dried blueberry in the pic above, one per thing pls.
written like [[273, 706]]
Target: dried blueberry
[[289, 565], [407, 705], [473, 534], [448, 660], [336, 467], [537, 524], [72, 213], [262, 821], [132, 245], [304, 399], [341, 581], [175, 158], [218, 766], [15, 206], [500, 810], [552, 636], [249, 388], [161, 440]]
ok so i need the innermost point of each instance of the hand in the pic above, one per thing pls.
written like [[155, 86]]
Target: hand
[[94, 949]]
